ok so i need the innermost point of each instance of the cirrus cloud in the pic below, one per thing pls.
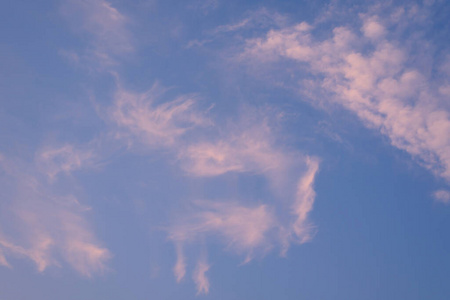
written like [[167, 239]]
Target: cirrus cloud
[[46, 227]]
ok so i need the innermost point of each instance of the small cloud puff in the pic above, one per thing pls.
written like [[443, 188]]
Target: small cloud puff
[[373, 29], [442, 196]]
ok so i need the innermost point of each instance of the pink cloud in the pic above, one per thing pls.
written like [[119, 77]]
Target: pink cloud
[[442, 196], [48, 228], [379, 84], [140, 118], [200, 278], [65, 159], [105, 27]]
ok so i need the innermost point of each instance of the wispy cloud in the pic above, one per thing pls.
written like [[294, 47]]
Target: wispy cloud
[[3, 260], [243, 229], [205, 6], [180, 266], [304, 201], [144, 118], [371, 74], [64, 159], [261, 18], [249, 230], [48, 227], [105, 29], [199, 276], [247, 146], [255, 20]]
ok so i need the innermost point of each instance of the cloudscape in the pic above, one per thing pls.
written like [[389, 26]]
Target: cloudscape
[[209, 149]]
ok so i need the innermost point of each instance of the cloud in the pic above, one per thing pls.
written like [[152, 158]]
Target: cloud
[[180, 267], [254, 20], [248, 146], [199, 276], [44, 227], [64, 159], [442, 196], [243, 229], [292, 42], [373, 29], [304, 201], [259, 18], [205, 6], [372, 75], [143, 118], [3, 260], [249, 230], [105, 29]]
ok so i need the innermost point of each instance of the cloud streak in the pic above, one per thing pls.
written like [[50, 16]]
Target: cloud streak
[[304, 201], [200, 278], [180, 267]]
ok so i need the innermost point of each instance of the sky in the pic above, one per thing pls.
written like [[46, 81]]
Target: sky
[[210, 149]]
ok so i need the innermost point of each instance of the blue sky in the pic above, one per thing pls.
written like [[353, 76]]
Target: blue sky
[[209, 149]]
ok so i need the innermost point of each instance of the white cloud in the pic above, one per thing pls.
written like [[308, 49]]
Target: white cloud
[[372, 76]]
